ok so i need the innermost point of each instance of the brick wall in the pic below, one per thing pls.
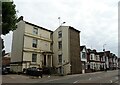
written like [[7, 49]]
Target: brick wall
[[5, 61], [75, 51]]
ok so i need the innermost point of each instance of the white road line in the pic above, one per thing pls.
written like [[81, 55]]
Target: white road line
[[90, 78], [52, 80], [110, 81], [98, 77], [75, 81], [116, 82], [12, 77], [116, 77], [48, 76]]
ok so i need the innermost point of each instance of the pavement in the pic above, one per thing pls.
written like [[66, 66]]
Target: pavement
[[14, 78]]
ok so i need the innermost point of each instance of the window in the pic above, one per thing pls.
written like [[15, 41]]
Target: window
[[35, 30], [91, 57], [83, 55], [45, 60], [86, 65], [60, 44], [91, 65], [34, 44], [59, 34], [34, 57], [97, 57], [60, 58], [103, 58]]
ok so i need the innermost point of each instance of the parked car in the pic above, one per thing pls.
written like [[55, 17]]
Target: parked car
[[4, 70], [34, 71]]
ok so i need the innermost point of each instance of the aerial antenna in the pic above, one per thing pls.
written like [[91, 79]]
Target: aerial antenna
[[91, 47], [59, 21]]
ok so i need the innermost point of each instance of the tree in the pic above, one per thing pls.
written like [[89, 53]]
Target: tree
[[2, 44], [3, 51], [9, 18]]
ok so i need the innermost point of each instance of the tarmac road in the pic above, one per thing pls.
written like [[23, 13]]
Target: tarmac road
[[100, 78]]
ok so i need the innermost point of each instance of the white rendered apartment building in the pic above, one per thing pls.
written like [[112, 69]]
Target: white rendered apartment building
[[66, 49], [31, 47]]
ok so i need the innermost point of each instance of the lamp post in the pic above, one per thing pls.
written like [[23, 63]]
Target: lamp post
[[62, 23]]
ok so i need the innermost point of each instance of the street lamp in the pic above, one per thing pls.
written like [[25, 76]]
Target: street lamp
[[60, 24]]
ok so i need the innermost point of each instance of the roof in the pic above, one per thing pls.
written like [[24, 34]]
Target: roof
[[70, 27], [7, 55], [88, 51], [91, 51], [37, 26], [100, 53], [22, 18], [81, 47], [74, 29]]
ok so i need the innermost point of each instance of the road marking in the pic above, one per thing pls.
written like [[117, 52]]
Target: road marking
[[48, 76], [110, 81], [12, 77], [75, 82], [52, 80], [90, 78], [98, 77], [116, 77], [116, 82]]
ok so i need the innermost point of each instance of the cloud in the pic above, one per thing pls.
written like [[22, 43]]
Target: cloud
[[7, 41], [96, 19]]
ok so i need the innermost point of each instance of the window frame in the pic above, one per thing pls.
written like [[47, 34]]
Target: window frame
[[84, 55], [34, 56], [59, 34], [60, 59], [34, 43], [35, 30], [59, 45], [91, 57]]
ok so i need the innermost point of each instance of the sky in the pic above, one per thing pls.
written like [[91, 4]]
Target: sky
[[96, 19]]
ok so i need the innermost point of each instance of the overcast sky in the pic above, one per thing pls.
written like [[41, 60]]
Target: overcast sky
[[96, 19]]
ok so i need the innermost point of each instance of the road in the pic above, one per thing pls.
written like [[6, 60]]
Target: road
[[96, 77]]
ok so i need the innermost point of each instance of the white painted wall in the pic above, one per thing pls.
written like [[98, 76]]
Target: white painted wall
[[44, 39], [17, 43], [65, 47], [22, 40], [41, 32]]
